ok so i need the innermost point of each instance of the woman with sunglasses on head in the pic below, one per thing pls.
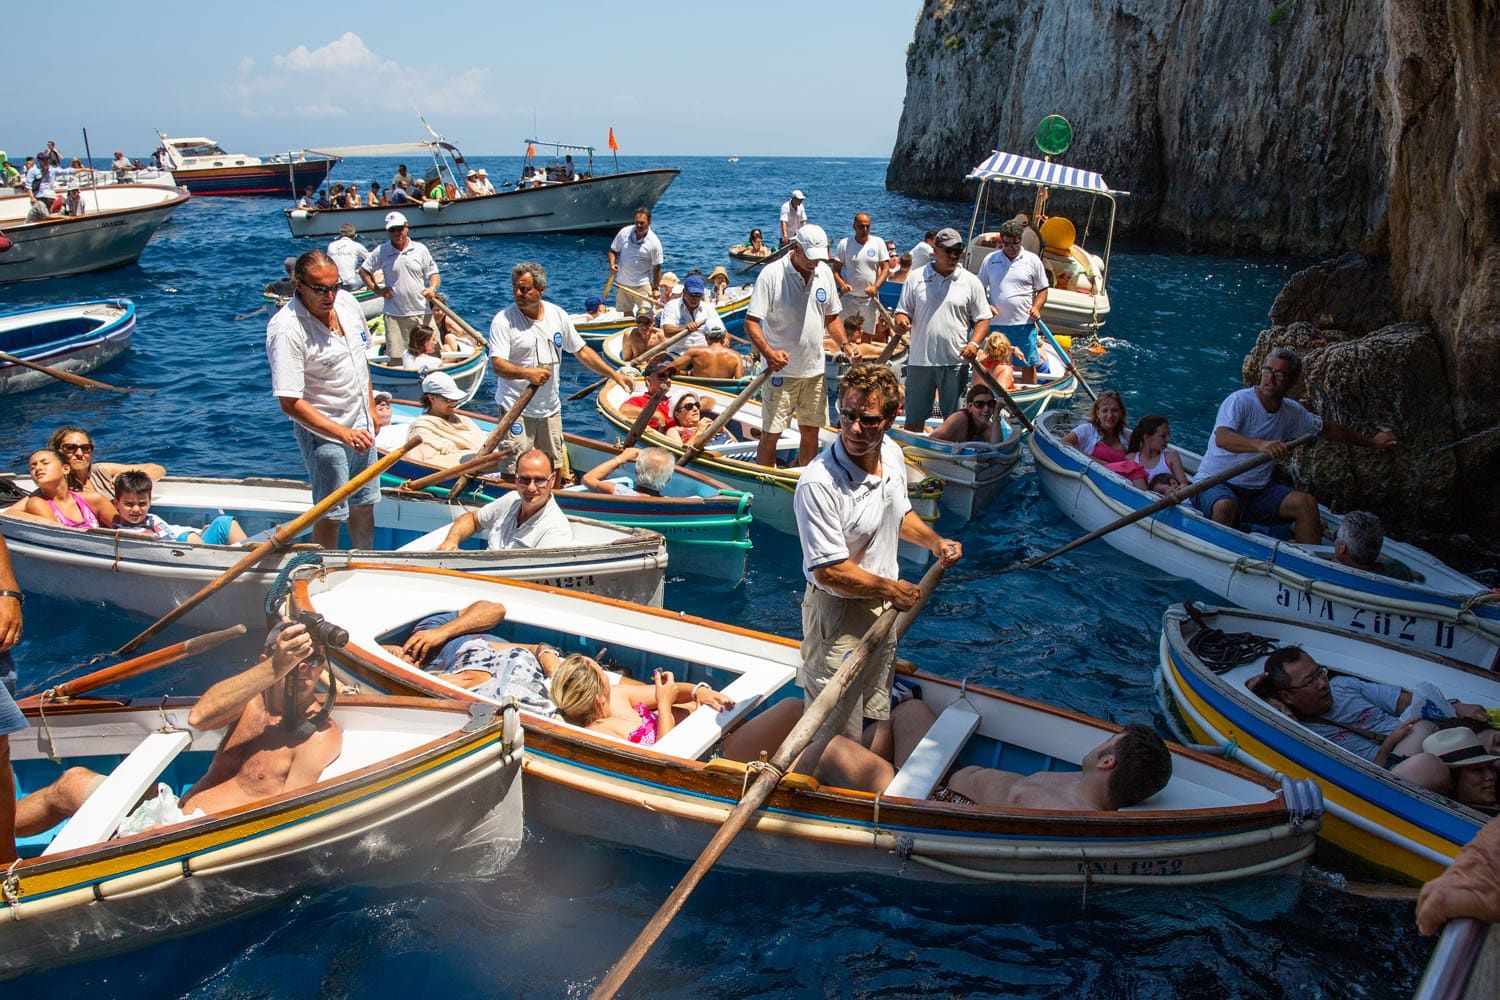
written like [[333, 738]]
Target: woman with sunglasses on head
[[977, 420], [77, 450]]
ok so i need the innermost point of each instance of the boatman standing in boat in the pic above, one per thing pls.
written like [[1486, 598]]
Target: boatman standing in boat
[[944, 308], [411, 280], [320, 378], [795, 304], [852, 512], [349, 254], [793, 217], [526, 344], [691, 312], [860, 266], [1016, 283], [635, 262]]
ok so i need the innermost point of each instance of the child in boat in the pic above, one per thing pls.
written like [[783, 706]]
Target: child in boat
[[56, 503], [133, 510], [1161, 470], [999, 358], [422, 352]]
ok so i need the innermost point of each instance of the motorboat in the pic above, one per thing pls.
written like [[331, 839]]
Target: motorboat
[[203, 167], [114, 228]]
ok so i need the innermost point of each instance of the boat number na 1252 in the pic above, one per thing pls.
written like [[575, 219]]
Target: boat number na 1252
[[1386, 624]]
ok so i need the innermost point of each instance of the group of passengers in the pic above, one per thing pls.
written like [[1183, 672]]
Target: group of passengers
[[404, 189]]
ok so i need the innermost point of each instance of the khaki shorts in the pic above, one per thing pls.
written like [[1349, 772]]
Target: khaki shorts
[[804, 400], [831, 627], [544, 434], [626, 303], [398, 334]]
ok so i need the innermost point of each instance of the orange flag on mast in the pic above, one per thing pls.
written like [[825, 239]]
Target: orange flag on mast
[[613, 146], [530, 151]]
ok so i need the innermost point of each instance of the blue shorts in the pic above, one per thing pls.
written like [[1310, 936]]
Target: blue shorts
[[1022, 337], [443, 660], [217, 532], [1257, 506], [11, 719], [331, 465]]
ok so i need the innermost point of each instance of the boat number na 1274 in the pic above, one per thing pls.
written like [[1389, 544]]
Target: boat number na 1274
[[1386, 624]]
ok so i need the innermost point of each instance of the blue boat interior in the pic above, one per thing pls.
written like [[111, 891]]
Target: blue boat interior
[[259, 526], [48, 333]]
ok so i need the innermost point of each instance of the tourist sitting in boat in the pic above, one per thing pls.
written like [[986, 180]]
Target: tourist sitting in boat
[[1358, 543], [373, 198], [348, 254], [899, 263], [37, 210], [56, 503], [860, 344], [1263, 419], [653, 470], [400, 194], [437, 190], [977, 421], [448, 437], [472, 185], [484, 182], [323, 203], [643, 336], [593, 306], [1124, 770], [667, 289], [75, 445], [658, 375], [1102, 436], [1160, 466], [714, 360], [688, 419], [458, 647], [1470, 764], [629, 709], [422, 350], [382, 411], [999, 358], [133, 513], [754, 247], [718, 284], [451, 336], [528, 518]]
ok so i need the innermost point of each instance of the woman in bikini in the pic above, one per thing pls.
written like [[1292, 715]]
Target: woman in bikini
[[54, 501], [977, 421]]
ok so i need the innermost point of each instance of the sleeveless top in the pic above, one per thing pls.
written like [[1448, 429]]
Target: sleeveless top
[[86, 516]]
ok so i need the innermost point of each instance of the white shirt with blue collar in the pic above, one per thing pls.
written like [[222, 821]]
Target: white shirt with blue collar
[[843, 513]]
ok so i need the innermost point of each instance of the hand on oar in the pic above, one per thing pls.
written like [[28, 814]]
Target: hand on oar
[[492, 442], [703, 437], [62, 376]]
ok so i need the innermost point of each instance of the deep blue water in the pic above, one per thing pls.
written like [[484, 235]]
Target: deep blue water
[[1080, 632]]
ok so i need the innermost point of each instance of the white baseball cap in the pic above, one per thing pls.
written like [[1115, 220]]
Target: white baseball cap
[[394, 220], [799, 195], [442, 384], [813, 241]]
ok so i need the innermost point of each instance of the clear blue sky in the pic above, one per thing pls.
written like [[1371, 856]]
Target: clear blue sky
[[770, 78]]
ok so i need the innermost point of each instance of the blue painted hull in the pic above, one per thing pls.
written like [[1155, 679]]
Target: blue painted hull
[[262, 179], [74, 338]]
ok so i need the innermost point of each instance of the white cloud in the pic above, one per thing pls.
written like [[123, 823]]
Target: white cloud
[[345, 78]]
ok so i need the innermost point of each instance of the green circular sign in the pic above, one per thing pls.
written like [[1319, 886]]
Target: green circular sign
[[1054, 135]]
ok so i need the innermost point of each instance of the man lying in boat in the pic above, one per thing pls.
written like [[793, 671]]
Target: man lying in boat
[[459, 647], [529, 518], [1358, 542], [1125, 769], [1382, 723]]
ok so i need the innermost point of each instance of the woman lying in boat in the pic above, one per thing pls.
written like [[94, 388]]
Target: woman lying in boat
[[450, 334], [77, 449], [653, 470], [447, 435], [977, 421], [861, 344], [55, 502]]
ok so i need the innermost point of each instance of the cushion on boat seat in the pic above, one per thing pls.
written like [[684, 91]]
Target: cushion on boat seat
[[798, 782], [938, 749], [102, 813]]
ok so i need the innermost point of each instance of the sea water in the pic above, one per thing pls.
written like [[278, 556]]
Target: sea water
[[1080, 632]]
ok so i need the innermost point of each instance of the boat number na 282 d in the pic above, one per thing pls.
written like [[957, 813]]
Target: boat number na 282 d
[[1385, 624]]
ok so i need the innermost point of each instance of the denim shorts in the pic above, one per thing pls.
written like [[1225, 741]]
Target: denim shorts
[[1257, 506], [216, 533], [1022, 337], [331, 465], [11, 719]]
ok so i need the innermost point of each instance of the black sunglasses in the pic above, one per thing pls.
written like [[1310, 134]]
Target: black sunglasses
[[320, 289], [864, 420]]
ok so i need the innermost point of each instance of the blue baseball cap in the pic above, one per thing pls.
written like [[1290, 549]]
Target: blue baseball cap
[[693, 285], [592, 302]]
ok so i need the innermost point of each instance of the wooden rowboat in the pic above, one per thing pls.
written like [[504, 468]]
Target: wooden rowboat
[[612, 346], [1404, 831], [77, 338], [1439, 610], [414, 780], [973, 472], [1213, 822], [731, 309], [467, 368]]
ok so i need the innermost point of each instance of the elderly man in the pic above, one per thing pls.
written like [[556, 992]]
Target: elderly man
[[658, 375], [320, 378], [1016, 283], [794, 305], [529, 518], [635, 262], [1262, 419], [348, 254], [1128, 768], [793, 217], [526, 344], [944, 309], [691, 312], [715, 359], [1358, 543], [852, 512], [860, 266], [411, 281], [653, 470]]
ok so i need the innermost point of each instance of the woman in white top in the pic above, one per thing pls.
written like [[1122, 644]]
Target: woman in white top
[[422, 351], [1103, 435], [1148, 448], [448, 437]]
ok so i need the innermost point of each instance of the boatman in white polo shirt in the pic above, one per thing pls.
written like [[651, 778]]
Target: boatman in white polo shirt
[[411, 280], [793, 307], [944, 308], [348, 253], [526, 344], [635, 262], [852, 512], [691, 312], [793, 217], [860, 266], [1016, 283]]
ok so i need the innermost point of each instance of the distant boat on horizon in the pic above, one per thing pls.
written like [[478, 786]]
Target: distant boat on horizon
[[734, 159]]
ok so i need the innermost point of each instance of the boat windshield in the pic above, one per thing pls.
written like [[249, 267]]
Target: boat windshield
[[199, 149]]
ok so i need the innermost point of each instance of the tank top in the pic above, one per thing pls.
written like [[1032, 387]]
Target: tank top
[[86, 516]]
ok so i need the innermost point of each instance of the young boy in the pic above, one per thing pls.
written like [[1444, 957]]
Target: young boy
[[133, 504]]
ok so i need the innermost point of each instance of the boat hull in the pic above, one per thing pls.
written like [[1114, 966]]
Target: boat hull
[[112, 237], [76, 338], [264, 179], [973, 473], [467, 373]]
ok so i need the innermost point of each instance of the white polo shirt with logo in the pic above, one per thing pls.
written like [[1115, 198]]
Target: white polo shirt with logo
[[943, 312], [1012, 285], [859, 263], [529, 344], [678, 314], [548, 528], [308, 362], [793, 216], [791, 313], [406, 273], [636, 258], [845, 514]]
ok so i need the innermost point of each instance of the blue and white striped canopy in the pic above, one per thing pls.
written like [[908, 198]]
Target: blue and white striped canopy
[[1025, 170]]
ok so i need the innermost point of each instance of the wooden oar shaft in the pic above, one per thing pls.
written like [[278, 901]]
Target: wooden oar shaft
[[1009, 400], [703, 437], [643, 419], [492, 443], [432, 479], [62, 376], [889, 351], [765, 783], [1171, 499], [283, 534], [462, 325], [1066, 359], [638, 294], [773, 255], [141, 664]]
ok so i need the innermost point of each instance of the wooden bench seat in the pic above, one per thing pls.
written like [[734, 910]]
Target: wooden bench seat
[[106, 809], [938, 749]]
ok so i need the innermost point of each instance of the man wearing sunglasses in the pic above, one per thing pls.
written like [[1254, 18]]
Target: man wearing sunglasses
[[411, 281], [944, 309], [320, 378], [526, 519], [1016, 283], [852, 513]]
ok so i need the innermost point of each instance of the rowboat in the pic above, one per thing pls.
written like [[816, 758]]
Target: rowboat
[[387, 374], [414, 781], [613, 344], [203, 167], [735, 463], [740, 252], [149, 575], [78, 338], [1213, 822], [706, 524], [1439, 611], [1394, 826], [597, 329], [972, 472], [111, 236]]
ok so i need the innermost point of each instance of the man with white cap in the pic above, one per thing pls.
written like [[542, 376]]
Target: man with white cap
[[635, 262], [411, 280], [484, 182], [944, 308], [860, 266], [1016, 283], [691, 312], [448, 437], [793, 216], [348, 253], [473, 184], [795, 304], [526, 344]]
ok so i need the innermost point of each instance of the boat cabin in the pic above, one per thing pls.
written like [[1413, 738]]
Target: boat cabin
[[197, 152]]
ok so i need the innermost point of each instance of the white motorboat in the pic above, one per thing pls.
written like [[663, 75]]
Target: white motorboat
[[117, 223]]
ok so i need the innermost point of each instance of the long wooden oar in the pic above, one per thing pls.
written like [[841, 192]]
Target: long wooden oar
[[141, 664], [62, 376], [774, 255], [994, 386], [703, 437], [1066, 360], [472, 465], [889, 351], [283, 535], [604, 296], [463, 325], [643, 419], [1171, 499], [492, 443], [637, 294], [638, 362], [765, 783]]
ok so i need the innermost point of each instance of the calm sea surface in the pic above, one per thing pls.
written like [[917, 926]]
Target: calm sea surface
[[1080, 632]]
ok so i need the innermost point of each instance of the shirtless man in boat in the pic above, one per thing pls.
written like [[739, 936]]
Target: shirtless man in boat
[[715, 360], [1125, 769]]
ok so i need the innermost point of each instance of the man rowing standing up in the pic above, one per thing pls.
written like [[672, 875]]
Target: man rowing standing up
[[635, 262], [793, 217], [1016, 283], [852, 512], [691, 312], [1262, 419], [860, 266], [794, 305], [526, 344], [944, 308], [411, 281]]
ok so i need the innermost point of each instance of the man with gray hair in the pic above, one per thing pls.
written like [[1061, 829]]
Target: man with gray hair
[[1262, 419], [653, 470], [526, 343], [1358, 543], [944, 309]]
